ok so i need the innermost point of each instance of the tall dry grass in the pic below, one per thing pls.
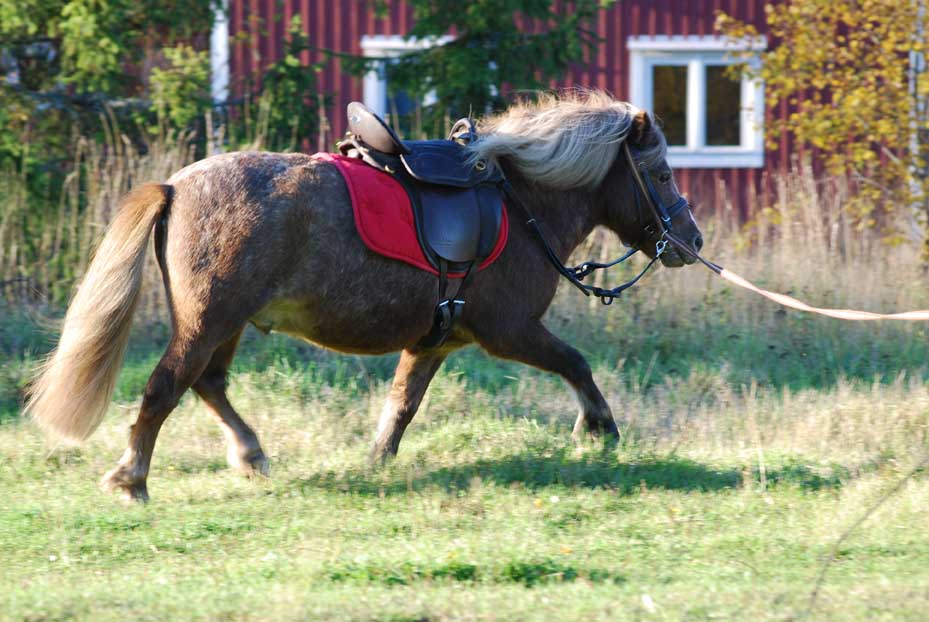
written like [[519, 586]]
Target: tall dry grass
[[709, 355], [725, 369], [45, 249], [801, 244]]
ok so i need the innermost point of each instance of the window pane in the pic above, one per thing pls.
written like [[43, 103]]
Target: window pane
[[723, 107], [669, 101]]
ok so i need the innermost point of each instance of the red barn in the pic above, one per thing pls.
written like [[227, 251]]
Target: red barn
[[662, 55]]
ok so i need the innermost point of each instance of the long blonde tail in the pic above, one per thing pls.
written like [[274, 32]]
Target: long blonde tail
[[71, 394]]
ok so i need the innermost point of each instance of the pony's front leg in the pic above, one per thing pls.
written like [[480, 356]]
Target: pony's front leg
[[535, 345], [414, 372]]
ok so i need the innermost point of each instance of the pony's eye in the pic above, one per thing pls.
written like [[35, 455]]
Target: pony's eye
[[664, 177]]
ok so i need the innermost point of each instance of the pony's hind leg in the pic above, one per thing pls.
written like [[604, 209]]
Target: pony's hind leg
[[179, 367], [243, 451]]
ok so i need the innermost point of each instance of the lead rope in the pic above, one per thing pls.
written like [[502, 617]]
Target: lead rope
[[788, 301], [740, 281], [663, 217]]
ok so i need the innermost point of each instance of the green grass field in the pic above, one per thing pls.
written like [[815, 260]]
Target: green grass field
[[753, 440]]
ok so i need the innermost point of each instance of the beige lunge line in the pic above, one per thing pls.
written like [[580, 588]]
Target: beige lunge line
[[793, 303], [841, 314]]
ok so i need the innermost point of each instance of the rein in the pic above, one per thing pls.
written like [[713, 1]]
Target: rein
[[643, 189]]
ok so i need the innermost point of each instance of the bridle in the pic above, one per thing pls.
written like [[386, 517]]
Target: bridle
[[644, 191]]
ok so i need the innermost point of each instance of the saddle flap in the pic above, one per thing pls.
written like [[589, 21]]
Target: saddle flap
[[451, 222], [445, 163], [490, 204]]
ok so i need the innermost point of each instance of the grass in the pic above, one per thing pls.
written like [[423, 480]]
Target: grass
[[486, 515], [753, 440], [722, 502]]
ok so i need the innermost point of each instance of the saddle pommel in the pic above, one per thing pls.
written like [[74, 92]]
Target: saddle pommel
[[371, 130]]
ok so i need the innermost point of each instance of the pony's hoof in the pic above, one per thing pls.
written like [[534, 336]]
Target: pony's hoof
[[131, 490], [610, 437], [254, 464], [380, 456], [607, 433]]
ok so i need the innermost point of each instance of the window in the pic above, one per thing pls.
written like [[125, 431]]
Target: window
[[669, 101], [710, 120], [377, 96]]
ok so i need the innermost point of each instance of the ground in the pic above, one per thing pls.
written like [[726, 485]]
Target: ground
[[754, 441]]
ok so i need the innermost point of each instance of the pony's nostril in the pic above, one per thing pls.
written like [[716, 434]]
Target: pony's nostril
[[698, 242]]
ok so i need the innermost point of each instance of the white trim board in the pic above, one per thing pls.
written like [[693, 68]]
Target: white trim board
[[219, 53], [374, 85], [395, 45], [695, 43]]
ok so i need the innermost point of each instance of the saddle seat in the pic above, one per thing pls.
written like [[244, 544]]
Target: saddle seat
[[457, 203]]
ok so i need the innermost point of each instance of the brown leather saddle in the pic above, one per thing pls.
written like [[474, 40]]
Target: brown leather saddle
[[457, 204]]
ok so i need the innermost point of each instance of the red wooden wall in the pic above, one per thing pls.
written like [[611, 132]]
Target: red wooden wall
[[259, 27]]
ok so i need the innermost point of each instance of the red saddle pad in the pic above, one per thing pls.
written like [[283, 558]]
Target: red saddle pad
[[384, 216]]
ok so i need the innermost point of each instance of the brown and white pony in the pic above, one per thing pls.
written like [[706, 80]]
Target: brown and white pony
[[269, 238]]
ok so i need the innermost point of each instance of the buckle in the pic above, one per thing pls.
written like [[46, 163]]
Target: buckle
[[447, 311], [660, 246], [582, 270]]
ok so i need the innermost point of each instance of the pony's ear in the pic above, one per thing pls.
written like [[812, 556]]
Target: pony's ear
[[641, 128]]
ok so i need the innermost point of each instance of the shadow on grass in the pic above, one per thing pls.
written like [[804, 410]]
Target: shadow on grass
[[798, 353], [564, 468]]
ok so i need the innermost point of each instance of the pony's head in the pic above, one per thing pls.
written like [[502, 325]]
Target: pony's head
[[642, 200], [587, 141]]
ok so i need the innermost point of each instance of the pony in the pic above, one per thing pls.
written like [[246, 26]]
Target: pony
[[269, 239]]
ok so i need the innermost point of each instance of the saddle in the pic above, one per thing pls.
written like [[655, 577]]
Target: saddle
[[457, 204]]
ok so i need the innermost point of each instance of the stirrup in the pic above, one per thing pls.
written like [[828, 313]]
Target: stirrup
[[444, 316]]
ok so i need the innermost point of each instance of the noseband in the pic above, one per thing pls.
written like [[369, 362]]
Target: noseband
[[643, 190]]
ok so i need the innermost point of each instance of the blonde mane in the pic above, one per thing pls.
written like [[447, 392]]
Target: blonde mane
[[562, 141]]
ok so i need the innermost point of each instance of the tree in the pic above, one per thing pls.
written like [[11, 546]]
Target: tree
[[854, 73], [180, 91], [79, 79], [489, 54], [289, 91], [64, 63], [89, 43]]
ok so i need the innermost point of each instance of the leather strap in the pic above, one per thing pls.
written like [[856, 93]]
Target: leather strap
[[643, 183], [449, 309], [576, 274]]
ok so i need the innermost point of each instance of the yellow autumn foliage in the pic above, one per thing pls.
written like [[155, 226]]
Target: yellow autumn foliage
[[855, 75]]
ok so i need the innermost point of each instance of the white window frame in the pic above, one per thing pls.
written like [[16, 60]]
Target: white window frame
[[697, 53], [390, 46], [219, 53]]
